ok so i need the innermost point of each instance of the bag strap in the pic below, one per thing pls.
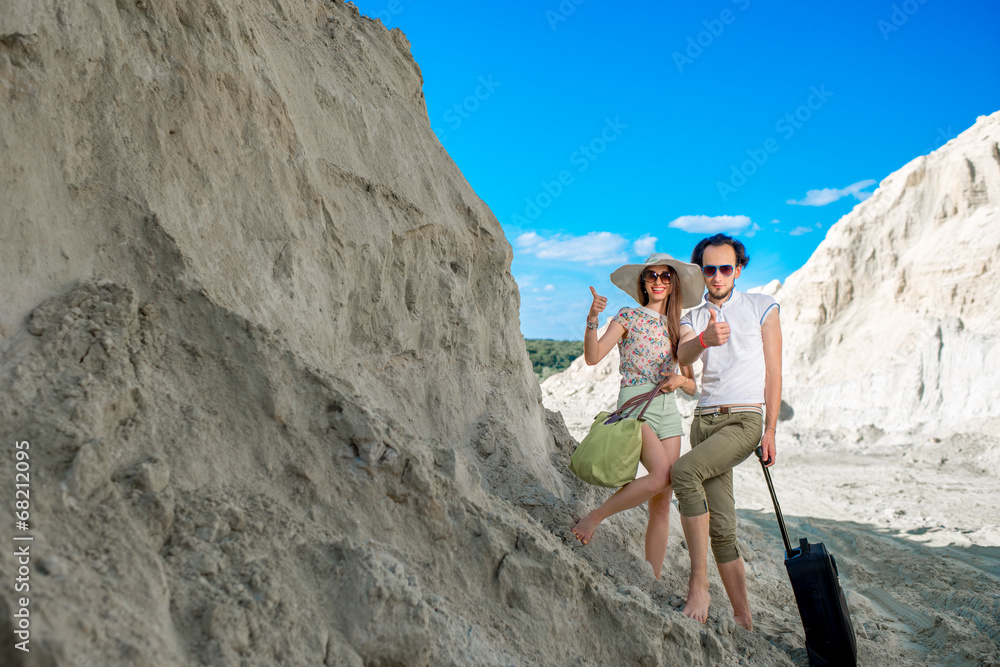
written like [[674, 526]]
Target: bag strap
[[653, 394], [631, 404], [774, 499], [642, 399]]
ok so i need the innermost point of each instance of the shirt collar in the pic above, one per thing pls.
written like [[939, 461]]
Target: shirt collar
[[650, 312], [734, 298]]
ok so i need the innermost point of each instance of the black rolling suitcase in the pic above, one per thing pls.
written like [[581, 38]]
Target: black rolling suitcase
[[825, 617]]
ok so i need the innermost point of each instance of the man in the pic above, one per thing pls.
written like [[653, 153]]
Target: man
[[738, 337]]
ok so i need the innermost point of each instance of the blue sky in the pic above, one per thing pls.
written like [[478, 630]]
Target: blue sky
[[598, 132]]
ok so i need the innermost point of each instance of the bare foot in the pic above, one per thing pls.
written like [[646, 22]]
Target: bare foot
[[584, 529], [745, 621], [697, 602]]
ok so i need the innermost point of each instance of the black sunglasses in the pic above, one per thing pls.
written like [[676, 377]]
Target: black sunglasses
[[651, 276], [725, 269]]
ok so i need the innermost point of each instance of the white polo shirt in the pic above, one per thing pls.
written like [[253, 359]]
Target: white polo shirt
[[733, 373]]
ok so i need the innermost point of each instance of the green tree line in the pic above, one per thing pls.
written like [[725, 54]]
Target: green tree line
[[551, 356]]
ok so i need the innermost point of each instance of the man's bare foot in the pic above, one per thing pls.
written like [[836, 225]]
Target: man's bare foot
[[745, 622], [584, 529], [697, 602]]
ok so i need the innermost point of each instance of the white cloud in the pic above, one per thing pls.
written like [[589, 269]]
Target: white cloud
[[799, 231], [550, 287], [709, 224], [775, 221], [830, 195], [591, 249], [528, 239], [750, 233], [645, 245]]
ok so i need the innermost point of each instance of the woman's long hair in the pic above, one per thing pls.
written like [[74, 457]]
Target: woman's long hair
[[674, 301]]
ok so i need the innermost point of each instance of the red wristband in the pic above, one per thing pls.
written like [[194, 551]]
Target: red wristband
[[701, 339]]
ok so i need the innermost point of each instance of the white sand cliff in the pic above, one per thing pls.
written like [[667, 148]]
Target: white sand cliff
[[887, 445]]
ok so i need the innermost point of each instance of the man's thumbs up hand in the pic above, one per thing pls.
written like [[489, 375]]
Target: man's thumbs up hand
[[716, 333]]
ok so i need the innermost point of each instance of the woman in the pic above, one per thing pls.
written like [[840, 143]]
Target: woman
[[647, 339]]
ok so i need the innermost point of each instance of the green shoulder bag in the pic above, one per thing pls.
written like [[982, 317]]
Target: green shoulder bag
[[609, 454]]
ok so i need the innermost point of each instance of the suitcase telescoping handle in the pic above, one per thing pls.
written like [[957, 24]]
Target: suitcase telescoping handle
[[774, 499]]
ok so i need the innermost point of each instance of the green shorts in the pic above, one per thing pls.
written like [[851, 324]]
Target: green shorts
[[662, 415]]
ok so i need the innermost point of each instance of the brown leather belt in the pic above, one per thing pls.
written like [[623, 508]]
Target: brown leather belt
[[726, 410]]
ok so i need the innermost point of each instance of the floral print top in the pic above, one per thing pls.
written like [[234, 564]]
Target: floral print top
[[645, 345]]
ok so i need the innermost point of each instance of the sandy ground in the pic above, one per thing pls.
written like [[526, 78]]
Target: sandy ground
[[917, 545], [912, 522], [916, 539]]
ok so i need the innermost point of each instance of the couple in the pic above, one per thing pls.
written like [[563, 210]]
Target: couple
[[738, 337]]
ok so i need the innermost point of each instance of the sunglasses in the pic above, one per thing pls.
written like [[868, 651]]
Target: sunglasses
[[651, 276], [710, 269]]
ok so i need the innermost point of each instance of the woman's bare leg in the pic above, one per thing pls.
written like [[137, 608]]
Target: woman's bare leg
[[654, 459], [658, 529]]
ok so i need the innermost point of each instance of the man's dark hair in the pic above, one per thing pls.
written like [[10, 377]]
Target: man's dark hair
[[742, 258]]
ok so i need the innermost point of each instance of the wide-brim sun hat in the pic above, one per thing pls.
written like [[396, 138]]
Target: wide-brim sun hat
[[692, 284]]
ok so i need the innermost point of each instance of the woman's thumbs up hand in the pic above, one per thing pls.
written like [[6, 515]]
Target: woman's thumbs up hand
[[599, 304]]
